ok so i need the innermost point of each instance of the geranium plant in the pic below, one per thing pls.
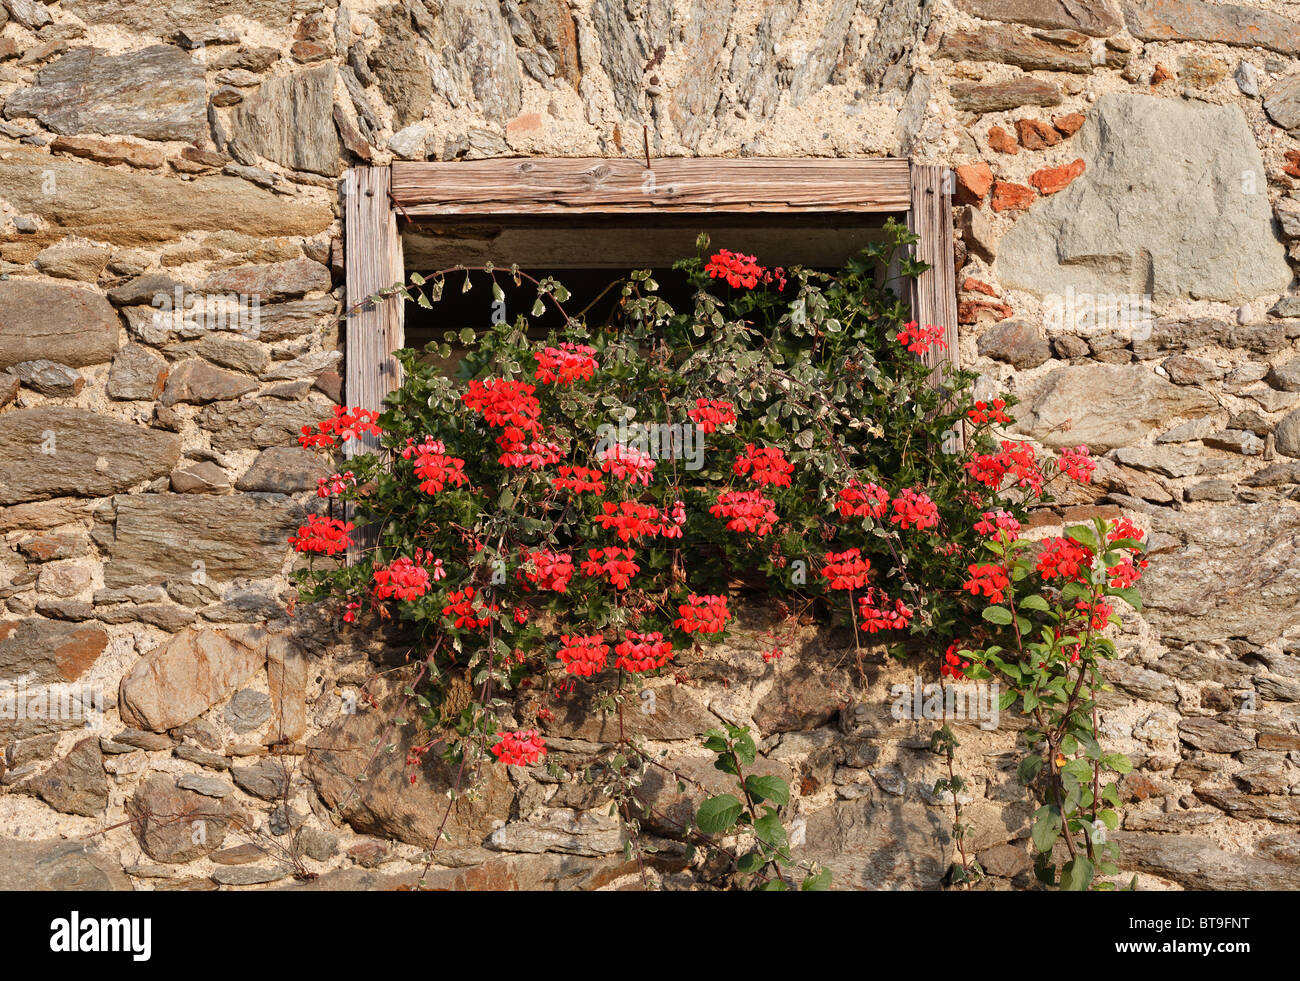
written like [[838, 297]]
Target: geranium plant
[[585, 508]]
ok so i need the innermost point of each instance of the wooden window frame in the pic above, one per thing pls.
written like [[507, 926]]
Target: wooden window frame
[[373, 198]]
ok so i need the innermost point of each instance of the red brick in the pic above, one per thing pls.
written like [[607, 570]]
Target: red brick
[[1002, 141], [973, 285], [971, 311], [1035, 134], [1293, 163], [1070, 124], [1049, 180], [1011, 197], [973, 183]]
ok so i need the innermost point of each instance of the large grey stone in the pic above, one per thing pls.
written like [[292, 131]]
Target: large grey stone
[[290, 120], [130, 208], [156, 93], [1171, 204], [889, 844], [56, 865], [54, 450], [77, 783], [283, 470], [48, 651], [137, 373], [1199, 863], [1287, 434], [1282, 101], [1096, 17], [1224, 570], [238, 425], [183, 678], [1224, 23], [196, 382], [175, 825], [156, 537], [164, 19], [1107, 405], [55, 321], [272, 281], [384, 802]]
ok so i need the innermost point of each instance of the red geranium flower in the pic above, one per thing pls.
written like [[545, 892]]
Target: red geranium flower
[[643, 652], [583, 655], [520, 748], [768, 466], [324, 536]]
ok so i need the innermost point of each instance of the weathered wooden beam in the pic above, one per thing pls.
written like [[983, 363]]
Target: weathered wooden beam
[[589, 185], [373, 259], [934, 292]]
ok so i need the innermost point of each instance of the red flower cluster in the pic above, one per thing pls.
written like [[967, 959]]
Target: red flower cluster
[[566, 364], [1124, 528], [1014, 459], [643, 652], [1063, 558], [991, 580], [551, 570], [433, 466], [746, 511], [520, 748], [846, 570], [466, 611], [512, 406], [344, 425], [505, 403], [703, 615], [709, 414], [989, 412], [616, 563], [878, 612], [860, 500], [324, 536], [583, 655], [579, 480], [533, 455], [1097, 613], [1077, 463], [913, 509], [742, 270], [919, 340], [764, 466], [628, 463], [334, 484], [999, 525], [403, 579], [953, 666], [630, 519]]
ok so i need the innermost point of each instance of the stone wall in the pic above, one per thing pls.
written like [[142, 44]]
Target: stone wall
[[1135, 155]]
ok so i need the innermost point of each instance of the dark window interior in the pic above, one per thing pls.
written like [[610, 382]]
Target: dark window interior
[[590, 256]]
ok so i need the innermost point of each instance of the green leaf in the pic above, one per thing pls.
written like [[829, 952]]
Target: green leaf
[[819, 882], [718, 814], [1046, 829], [1033, 602], [769, 829], [763, 788], [1028, 769], [1077, 874], [1117, 762], [750, 863], [997, 614]]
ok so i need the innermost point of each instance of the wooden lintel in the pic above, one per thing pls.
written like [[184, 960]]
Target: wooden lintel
[[587, 185]]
